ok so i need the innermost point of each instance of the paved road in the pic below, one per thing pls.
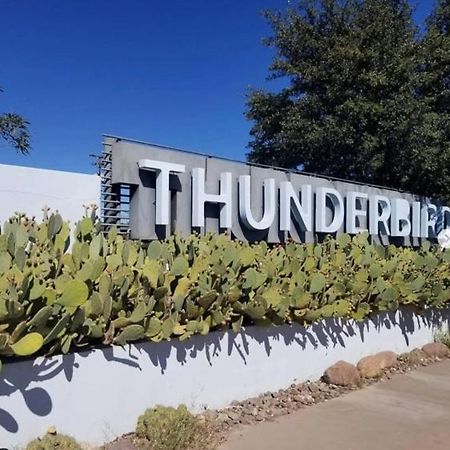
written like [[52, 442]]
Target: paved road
[[409, 412]]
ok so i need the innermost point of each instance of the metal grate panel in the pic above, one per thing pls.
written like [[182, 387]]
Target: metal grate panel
[[114, 199]]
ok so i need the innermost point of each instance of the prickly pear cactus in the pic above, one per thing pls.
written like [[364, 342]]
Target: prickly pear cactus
[[57, 293]]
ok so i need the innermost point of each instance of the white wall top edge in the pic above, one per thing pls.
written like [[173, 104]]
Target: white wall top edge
[[28, 190]]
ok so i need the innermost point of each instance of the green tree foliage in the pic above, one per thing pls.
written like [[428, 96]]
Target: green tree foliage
[[432, 138], [14, 130], [353, 105], [435, 83]]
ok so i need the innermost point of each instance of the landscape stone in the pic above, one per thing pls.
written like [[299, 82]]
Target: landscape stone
[[436, 350], [271, 405], [416, 356], [342, 373], [52, 431], [372, 366]]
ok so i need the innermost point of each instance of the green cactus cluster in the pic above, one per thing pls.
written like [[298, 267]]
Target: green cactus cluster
[[57, 295]]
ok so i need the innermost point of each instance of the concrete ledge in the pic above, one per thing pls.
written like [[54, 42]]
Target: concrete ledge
[[98, 394]]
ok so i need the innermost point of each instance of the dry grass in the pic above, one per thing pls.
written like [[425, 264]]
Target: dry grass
[[54, 442], [166, 428], [443, 337]]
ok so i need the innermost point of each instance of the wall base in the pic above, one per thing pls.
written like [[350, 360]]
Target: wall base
[[97, 395]]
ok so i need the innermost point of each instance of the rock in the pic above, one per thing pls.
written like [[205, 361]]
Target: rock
[[254, 401], [416, 356], [210, 414], [372, 366], [123, 443], [52, 431], [390, 358], [233, 415], [342, 373], [323, 387], [436, 350], [307, 399], [369, 368], [304, 399], [246, 420], [265, 414], [341, 378], [222, 417]]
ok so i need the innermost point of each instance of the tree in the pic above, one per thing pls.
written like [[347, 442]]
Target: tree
[[435, 81], [350, 103], [14, 130], [432, 137]]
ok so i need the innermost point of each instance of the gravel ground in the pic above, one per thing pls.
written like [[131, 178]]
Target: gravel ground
[[270, 405]]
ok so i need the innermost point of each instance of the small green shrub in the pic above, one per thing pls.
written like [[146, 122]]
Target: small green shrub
[[443, 337], [54, 442], [167, 428]]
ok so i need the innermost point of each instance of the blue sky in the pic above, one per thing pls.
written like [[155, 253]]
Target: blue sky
[[170, 72]]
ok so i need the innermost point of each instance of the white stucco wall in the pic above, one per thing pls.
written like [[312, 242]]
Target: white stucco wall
[[28, 190], [96, 396]]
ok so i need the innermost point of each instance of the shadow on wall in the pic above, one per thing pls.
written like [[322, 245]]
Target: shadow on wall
[[19, 376], [26, 376]]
